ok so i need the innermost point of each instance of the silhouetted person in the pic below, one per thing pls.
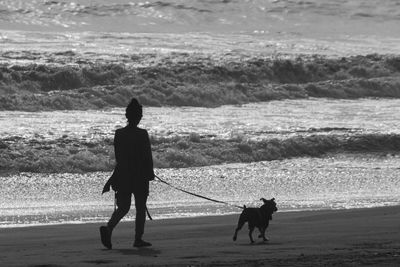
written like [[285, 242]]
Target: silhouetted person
[[132, 173]]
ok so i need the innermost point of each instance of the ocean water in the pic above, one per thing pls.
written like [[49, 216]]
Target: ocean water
[[37, 31], [270, 16], [161, 34], [335, 181], [254, 121]]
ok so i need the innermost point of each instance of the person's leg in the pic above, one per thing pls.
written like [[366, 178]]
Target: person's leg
[[123, 206], [140, 204]]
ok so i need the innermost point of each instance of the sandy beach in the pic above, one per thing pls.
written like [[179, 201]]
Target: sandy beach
[[315, 238]]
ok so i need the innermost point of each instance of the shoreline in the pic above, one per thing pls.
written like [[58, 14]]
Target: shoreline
[[131, 220], [305, 238]]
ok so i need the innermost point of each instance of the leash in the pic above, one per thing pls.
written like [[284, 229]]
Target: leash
[[184, 191], [148, 214], [197, 195]]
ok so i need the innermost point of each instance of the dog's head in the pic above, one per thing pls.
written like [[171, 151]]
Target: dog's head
[[269, 205]]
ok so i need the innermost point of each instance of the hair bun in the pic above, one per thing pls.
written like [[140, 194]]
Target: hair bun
[[133, 112]]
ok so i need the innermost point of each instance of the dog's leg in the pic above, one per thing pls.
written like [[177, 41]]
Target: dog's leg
[[239, 226], [251, 229], [265, 229], [263, 234], [235, 235], [262, 231]]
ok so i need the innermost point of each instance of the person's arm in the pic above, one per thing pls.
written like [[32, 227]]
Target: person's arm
[[148, 158], [117, 152], [119, 148]]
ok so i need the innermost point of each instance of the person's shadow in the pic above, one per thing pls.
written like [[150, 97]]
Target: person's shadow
[[144, 252]]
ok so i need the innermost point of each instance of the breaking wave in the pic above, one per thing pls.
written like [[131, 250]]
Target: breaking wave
[[72, 155], [197, 81]]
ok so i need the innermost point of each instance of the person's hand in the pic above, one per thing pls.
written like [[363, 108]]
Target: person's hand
[[106, 188]]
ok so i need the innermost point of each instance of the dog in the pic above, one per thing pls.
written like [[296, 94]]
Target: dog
[[257, 217]]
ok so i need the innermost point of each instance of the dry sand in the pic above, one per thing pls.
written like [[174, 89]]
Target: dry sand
[[318, 238]]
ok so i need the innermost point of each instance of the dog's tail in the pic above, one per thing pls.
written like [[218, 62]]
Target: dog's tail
[[244, 206]]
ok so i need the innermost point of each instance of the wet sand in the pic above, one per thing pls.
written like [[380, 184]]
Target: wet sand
[[318, 238]]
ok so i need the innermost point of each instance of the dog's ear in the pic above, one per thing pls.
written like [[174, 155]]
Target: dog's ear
[[273, 199], [264, 200]]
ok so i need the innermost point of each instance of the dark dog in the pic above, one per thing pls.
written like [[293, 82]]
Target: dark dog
[[257, 217]]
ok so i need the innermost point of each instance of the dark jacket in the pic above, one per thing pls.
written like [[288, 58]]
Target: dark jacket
[[134, 167]]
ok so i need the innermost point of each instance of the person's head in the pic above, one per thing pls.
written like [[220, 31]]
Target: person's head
[[134, 112]]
